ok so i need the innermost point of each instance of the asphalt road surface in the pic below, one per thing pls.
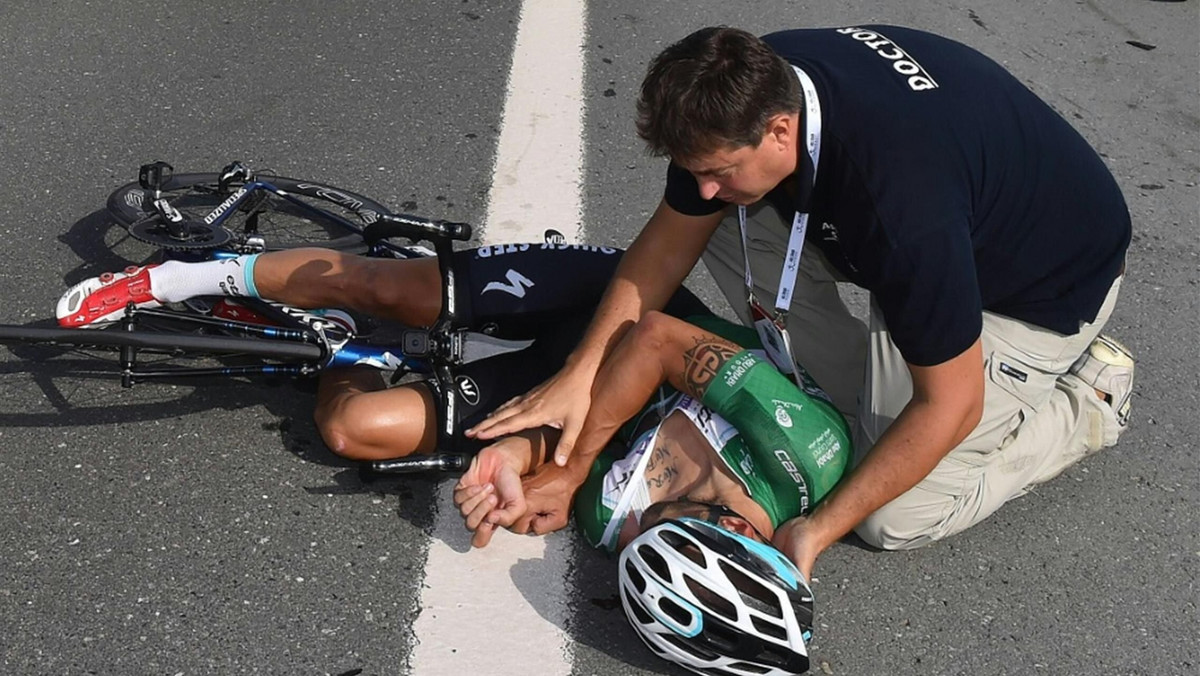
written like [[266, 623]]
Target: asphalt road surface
[[205, 529]]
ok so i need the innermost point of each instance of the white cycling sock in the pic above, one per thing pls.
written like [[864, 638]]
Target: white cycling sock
[[176, 281]]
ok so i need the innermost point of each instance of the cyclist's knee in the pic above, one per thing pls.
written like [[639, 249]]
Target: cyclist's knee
[[335, 422]]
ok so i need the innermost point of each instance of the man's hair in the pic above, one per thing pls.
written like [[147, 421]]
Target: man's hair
[[715, 88]]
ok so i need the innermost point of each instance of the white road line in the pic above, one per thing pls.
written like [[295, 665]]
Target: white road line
[[501, 610], [539, 159], [497, 611]]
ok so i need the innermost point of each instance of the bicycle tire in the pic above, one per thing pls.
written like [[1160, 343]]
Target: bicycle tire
[[162, 342], [281, 223]]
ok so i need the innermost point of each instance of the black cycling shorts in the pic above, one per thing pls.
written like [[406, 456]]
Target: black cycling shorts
[[547, 292]]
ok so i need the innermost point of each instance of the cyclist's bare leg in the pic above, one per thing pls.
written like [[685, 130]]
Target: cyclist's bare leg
[[408, 291], [659, 348], [360, 419]]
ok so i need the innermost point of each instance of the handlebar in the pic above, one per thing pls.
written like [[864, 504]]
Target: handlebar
[[415, 227]]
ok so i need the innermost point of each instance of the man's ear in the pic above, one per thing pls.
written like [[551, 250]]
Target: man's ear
[[738, 525], [782, 129]]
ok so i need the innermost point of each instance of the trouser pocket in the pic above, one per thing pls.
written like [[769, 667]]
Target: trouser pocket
[[1014, 390]]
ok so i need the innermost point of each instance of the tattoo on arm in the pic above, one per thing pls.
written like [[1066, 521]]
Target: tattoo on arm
[[702, 362]]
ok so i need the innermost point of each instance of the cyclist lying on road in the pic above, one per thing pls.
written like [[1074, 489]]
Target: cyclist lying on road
[[737, 442]]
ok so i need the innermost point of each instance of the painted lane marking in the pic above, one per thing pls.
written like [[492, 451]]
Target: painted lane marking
[[539, 157], [474, 602]]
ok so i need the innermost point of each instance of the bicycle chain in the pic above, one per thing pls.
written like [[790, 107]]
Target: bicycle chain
[[200, 235]]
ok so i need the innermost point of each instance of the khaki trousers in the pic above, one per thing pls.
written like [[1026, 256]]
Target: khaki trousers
[[1038, 419]]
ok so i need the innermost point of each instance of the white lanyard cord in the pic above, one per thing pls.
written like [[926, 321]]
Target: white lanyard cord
[[791, 264]]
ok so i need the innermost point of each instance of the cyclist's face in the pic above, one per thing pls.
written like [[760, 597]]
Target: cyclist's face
[[745, 174], [717, 514]]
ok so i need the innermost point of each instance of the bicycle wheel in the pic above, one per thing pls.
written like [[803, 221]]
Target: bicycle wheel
[[281, 222], [162, 343]]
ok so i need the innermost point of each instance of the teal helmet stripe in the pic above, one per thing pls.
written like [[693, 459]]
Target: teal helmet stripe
[[691, 630], [782, 566]]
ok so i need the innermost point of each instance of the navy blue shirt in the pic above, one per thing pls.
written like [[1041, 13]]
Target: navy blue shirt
[[945, 187]]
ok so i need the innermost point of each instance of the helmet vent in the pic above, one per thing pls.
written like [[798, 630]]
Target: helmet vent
[[684, 546], [782, 658], [769, 628], [752, 592], [689, 647], [637, 608], [711, 600], [724, 638], [656, 562], [676, 611], [635, 576], [749, 668]]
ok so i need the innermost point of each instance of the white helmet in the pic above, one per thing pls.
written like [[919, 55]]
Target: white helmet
[[716, 602]]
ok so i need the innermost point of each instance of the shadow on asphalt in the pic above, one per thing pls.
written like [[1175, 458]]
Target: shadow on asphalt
[[596, 619], [102, 245]]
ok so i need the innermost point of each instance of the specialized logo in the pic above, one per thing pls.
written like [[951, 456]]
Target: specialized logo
[[918, 79], [134, 198], [224, 206], [516, 286], [467, 389]]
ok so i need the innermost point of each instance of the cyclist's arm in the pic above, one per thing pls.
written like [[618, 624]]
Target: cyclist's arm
[[652, 269]]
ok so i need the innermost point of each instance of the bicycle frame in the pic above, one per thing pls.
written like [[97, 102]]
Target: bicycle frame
[[294, 346], [333, 354], [223, 211], [434, 351]]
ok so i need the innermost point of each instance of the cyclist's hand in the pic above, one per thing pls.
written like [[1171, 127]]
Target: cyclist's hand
[[561, 402], [489, 494], [548, 494]]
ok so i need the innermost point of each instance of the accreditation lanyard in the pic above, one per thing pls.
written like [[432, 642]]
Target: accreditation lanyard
[[772, 327]]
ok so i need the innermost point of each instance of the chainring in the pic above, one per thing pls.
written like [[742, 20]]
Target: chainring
[[200, 235]]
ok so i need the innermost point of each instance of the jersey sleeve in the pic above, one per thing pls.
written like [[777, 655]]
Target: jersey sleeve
[[683, 194], [592, 514]]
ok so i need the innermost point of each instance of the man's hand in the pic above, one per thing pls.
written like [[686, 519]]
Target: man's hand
[[549, 493], [489, 494], [561, 402], [797, 543]]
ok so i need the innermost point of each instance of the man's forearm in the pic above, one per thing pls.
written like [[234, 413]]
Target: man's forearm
[[905, 454], [946, 405], [653, 267]]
